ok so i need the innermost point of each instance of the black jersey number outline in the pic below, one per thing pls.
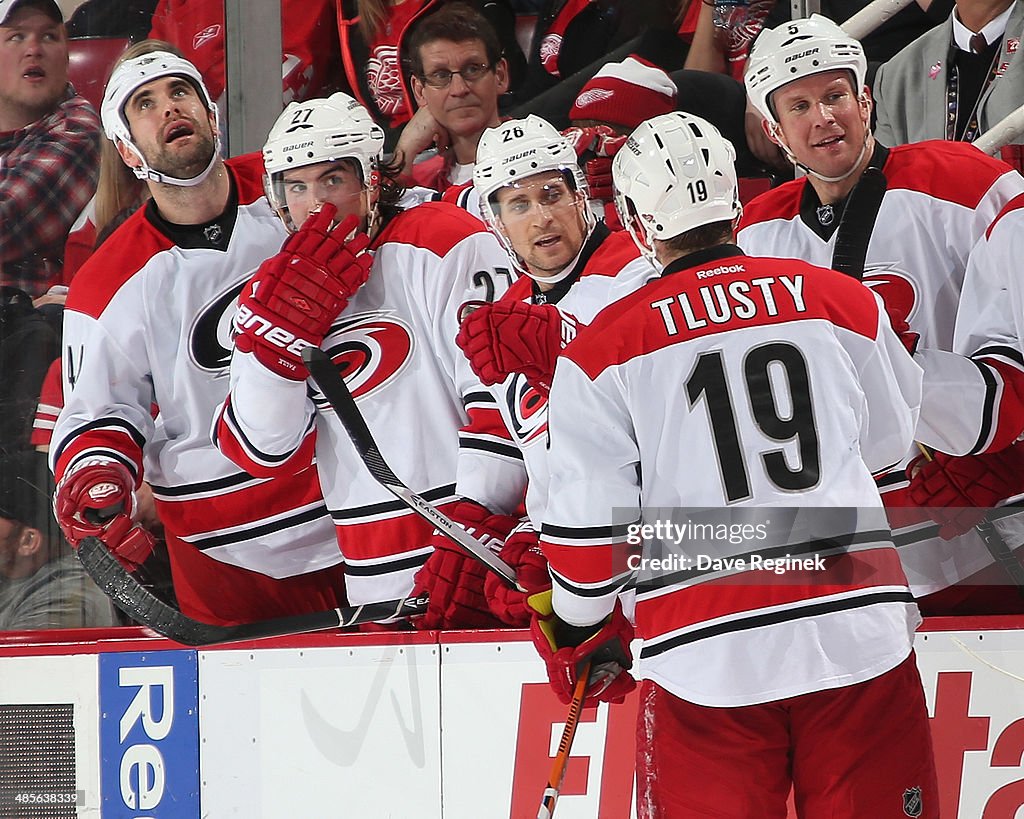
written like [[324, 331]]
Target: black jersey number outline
[[708, 381]]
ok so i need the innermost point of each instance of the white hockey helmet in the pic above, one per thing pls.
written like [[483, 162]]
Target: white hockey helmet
[[799, 49], [127, 78], [320, 130], [518, 149], [674, 173]]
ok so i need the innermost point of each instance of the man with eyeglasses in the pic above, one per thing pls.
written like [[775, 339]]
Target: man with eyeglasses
[[458, 74], [533, 196]]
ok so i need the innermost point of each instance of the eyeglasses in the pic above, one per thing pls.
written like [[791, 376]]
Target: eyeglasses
[[443, 77]]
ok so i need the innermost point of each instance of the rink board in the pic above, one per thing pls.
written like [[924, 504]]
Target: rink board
[[395, 726]]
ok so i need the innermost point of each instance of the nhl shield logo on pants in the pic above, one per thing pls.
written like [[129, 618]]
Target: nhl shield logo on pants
[[912, 802]]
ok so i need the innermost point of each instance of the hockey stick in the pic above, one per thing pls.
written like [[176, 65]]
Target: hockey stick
[[1008, 129], [872, 16], [333, 386], [143, 606], [997, 547], [857, 223], [554, 786]]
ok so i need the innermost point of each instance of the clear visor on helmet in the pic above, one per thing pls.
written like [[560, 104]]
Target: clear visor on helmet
[[297, 192], [550, 191]]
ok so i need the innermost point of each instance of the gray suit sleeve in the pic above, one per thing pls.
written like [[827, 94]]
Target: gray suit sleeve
[[883, 123]]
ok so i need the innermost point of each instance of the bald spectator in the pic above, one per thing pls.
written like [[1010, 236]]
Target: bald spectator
[[42, 585], [49, 145]]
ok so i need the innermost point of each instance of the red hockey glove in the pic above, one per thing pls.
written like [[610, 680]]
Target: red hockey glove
[[566, 648], [595, 148], [515, 337], [295, 295], [957, 491], [522, 552], [454, 579], [97, 499]]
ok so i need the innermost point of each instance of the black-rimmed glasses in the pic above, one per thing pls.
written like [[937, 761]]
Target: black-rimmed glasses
[[442, 78]]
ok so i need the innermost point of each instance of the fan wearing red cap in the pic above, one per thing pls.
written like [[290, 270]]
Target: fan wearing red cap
[[616, 99]]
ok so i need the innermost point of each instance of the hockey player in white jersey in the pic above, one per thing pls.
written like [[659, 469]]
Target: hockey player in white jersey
[[148, 322], [390, 328], [905, 220], [534, 198], [742, 385]]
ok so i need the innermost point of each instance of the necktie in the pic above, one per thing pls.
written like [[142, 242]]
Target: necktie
[[978, 43]]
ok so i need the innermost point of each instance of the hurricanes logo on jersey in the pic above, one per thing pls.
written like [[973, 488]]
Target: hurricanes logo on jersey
[[895, 287], [210, 337], [370, 350], [527, 409]]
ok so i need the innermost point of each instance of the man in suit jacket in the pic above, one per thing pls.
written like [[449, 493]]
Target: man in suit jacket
[[948, 84]]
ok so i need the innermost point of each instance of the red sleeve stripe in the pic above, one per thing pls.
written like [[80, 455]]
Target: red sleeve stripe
[[1003, 415], [105, 437], [1015, 204], [233, 443]]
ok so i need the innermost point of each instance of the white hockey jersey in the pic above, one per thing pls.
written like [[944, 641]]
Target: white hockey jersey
[[610, 267], [436, 425], [148, 322], [941, 198], [735, 382]]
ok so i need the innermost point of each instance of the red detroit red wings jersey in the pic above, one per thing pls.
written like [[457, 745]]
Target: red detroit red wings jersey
[[309, 44], [941, 198], [735, 382], [148, 322], [436, 425], [614, 270]]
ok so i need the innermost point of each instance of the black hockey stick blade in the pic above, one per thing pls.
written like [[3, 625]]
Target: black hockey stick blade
[[146, 608], [333, 386], [857, 223]]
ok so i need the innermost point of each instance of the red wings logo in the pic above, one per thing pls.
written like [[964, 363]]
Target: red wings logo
[[370, 350], [894, 286]]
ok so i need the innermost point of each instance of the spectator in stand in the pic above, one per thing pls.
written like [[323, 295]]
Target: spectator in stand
[[376, 53], [615, 101], [49, 145], [458, 74], [574, 39], [42, 585], [948, 83], [309, 43]]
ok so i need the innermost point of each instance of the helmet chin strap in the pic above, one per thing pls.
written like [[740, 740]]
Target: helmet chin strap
[[145, 172]]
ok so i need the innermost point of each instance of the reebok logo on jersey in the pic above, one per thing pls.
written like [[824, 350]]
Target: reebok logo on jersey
[[204, 36], [721, 270]]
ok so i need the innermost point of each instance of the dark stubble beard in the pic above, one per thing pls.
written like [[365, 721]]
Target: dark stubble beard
[[185, 165]]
